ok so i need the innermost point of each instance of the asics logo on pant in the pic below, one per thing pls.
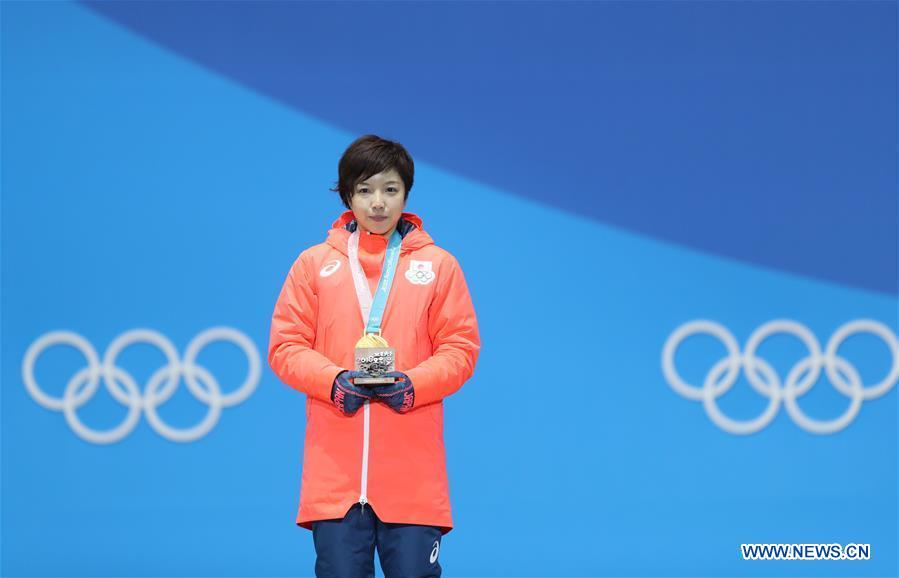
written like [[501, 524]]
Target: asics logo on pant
[[435, 551]]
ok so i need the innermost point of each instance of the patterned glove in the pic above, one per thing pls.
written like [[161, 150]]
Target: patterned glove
[[400, 396], [348, 398]]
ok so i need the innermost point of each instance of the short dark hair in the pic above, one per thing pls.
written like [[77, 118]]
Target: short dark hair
[[369, 155]]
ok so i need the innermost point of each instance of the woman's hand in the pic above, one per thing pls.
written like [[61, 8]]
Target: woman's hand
[[400, 396], [348, 398]]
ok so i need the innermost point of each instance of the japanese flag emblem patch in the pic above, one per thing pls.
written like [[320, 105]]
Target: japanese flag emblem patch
[[419, 272]]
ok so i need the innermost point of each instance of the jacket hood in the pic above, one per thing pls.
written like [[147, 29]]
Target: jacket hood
[[410, 227]]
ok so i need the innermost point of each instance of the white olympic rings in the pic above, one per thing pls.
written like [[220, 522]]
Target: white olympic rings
[[765, 380], [160, 387]]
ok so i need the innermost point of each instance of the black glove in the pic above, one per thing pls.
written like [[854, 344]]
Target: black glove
[[400, 396], [348, 398]]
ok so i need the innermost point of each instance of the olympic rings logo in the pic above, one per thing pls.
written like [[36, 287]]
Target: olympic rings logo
[[420, 277], [765, 380], [161, 386]]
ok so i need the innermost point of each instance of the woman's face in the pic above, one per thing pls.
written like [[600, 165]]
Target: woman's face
[[378, 202]]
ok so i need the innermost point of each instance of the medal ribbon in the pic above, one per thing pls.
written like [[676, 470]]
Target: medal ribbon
[[373, 308]]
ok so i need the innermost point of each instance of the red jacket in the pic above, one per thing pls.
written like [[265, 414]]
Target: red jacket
[[394, 462]]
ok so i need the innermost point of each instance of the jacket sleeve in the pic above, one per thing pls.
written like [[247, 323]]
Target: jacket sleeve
[[453, 329], [292, 335]]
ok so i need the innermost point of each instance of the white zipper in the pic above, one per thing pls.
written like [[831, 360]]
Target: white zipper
[[364, 296], [363, 499]]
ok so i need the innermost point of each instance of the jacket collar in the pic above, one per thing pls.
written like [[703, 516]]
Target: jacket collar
[[410, 226]]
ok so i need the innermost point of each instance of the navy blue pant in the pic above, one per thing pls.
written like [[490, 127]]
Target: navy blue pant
[[345, 548]]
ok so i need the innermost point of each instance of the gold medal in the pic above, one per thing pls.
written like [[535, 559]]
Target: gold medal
[[374, 357]]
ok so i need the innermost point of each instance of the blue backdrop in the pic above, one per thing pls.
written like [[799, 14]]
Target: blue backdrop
[[689, 210]]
